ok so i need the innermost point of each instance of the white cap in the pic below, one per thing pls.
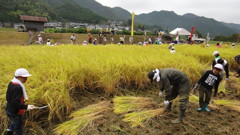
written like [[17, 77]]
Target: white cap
[[215, 52], [219, 66], [22, 72]]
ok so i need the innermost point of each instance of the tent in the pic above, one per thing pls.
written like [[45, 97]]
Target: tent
[[180, 32]]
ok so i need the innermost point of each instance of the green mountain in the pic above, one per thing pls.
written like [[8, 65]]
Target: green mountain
[[93, 12], [233, 26], [54, 10], [170, 20], [116, 13], [11, 9], [75, 13]]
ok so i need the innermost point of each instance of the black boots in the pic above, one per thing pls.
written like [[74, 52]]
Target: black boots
[[8, 133], [169, 107], [180, 117]]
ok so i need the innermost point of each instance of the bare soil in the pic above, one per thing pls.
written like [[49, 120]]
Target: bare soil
[[221, 120]]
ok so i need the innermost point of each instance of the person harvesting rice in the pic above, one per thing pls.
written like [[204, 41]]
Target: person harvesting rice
[[175, 83]]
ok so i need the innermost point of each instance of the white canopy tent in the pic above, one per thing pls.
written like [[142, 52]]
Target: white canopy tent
[[180, 32]]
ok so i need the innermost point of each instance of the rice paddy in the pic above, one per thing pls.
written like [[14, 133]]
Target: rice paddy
[[60, 71]]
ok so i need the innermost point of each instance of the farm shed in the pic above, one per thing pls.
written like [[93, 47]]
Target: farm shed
[[34, 23]]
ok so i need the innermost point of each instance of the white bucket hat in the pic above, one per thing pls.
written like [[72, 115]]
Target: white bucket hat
[[22, 72], [219, 66], [215, 52]]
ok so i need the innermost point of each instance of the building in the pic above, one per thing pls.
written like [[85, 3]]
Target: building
[[17, 25], [53, 25], [34, 23]]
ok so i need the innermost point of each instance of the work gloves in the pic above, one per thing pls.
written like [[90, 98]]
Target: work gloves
[[160, 94], [166, 102], [196, 85], [31, 107]]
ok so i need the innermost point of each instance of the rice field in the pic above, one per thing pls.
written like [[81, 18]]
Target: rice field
[[60, 71]]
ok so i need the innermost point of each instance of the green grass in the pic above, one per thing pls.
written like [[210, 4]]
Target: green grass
[[8, 29]]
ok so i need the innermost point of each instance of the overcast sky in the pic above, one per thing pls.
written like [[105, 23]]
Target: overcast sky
[[221, 10]]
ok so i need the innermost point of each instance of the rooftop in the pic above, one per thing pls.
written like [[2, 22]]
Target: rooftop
[[33, 18]]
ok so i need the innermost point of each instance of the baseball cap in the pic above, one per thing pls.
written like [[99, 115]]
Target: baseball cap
[[215, 52], [237, 58], [219, 66], [22, 72]]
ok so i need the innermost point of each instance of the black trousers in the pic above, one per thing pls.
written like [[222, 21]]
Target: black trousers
[[16, 123], [204, 96]]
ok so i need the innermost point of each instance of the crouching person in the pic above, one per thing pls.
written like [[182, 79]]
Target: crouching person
[[16, 96], [175, 83], [207, 81]]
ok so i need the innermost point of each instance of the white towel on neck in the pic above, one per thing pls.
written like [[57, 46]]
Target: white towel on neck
[[15, 80], [156, 75]]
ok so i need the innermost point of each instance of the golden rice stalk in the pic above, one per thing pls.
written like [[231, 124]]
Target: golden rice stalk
[[138, 118], [127, 104], [226, 102], [213, 106], [84, 118], [35, 128], [234, 107], [193, 98]]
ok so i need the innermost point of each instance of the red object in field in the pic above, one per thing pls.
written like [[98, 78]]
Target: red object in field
[[191, 33]]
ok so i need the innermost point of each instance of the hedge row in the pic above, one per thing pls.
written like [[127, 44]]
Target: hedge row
[[93, 31]]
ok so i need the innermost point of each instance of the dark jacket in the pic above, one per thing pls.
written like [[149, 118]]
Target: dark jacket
[[15, 99], [172, 77], [208, 80], [225, 65]]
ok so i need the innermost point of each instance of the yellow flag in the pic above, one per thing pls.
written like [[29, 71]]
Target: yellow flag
[[132, 31]]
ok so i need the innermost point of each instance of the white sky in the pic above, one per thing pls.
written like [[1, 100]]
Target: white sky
[[221, 10]]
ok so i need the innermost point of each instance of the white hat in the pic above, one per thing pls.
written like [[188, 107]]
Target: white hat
[[219, 66], [22, 72], [215, 52]]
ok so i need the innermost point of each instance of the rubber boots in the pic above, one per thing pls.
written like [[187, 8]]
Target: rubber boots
[[180, 117], [8, 133], [206, 108], [199, 109], [169, 107]]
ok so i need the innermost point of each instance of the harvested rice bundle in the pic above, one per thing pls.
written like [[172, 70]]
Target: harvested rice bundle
[[88, 117], [138, 118], [129, 104]]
